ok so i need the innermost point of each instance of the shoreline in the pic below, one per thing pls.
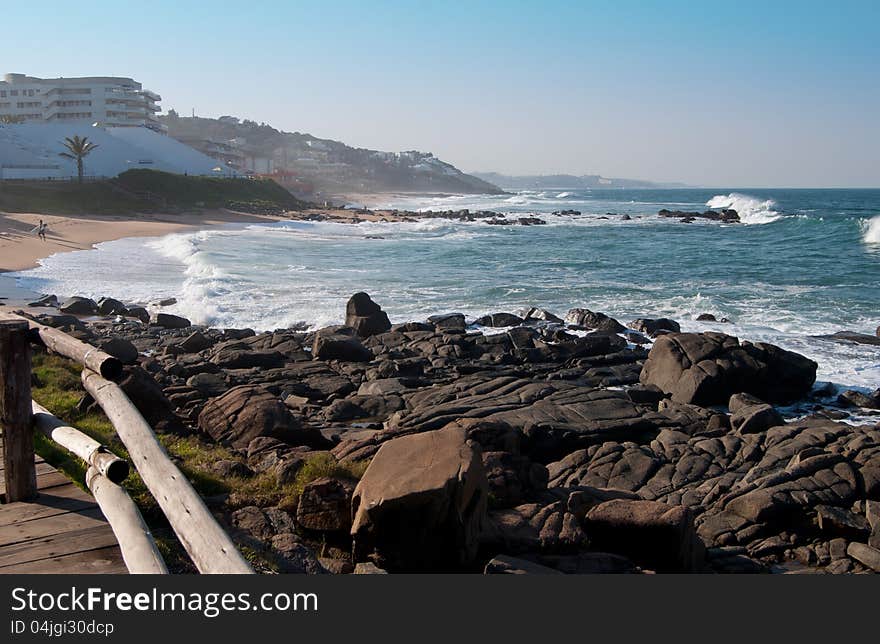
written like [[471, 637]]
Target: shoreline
[[553, 420]]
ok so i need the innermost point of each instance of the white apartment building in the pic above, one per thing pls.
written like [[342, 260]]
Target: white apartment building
[[106, 100]]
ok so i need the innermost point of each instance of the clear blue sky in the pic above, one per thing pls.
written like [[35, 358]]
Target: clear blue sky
[[769, 93]]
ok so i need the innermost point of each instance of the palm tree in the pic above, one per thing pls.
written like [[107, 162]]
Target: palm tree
[[78, 148]]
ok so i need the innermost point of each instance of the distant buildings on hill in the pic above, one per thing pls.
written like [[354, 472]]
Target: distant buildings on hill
[[107, 100], [33, 151]]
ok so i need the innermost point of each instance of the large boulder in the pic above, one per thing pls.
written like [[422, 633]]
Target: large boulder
[[421, 504], [168, 321], [109, 306], [654, 535], [146, 394], [499, 320], [707, 368], [653, 327], [593, 320], [330, 345], [365, 316], [246, 412], [79, 306], [121, 349]]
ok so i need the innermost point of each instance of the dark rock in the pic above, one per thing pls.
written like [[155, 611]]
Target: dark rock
[[209, 384], [196, 342], [121, 349], [654, 327], [706, 317], [146, 394], [337, 346], [539, 315], [865, 554], [449, 322], [237, 355], [226, 469], [536, 527], [62, 322], [422, 501], [294, 557], [592, 320], [168, 321], [752, 416], [79, 306], [325, 504], [499, 320], [365, 316], [47, 301], [852, 336], [512, 477], [851, 398], [246, 412], [139, 313], [109, 306], [841, 522], [707, 368], [654, 535]]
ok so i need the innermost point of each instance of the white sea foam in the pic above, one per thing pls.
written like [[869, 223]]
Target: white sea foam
[[871, 230], [751, 210]]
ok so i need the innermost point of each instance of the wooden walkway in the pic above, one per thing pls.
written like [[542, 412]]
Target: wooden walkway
[[61, 532]]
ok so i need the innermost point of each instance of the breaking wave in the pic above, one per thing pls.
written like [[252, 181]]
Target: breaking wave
[[751, 210], [872, 230]]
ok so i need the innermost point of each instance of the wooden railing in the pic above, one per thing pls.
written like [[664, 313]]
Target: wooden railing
[[207, 544]]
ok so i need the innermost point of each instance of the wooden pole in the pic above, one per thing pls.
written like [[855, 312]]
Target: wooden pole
[[208, 545], [73, 440], [15, 412], [138, 548], [69, 347]]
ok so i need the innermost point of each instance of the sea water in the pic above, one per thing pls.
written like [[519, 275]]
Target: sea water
[[802, 263]]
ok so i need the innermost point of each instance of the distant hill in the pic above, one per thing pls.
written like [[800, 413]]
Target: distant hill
[[320, 165], [566, 182]]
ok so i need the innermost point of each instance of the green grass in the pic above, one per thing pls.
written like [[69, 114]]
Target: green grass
[[57, 386], [145, 191]]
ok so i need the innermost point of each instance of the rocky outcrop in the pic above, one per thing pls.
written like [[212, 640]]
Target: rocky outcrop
[[247, 412], [654, 327], [592, 320], [337, 344], [79, 306], [652, 534], [365, 316], [422, 502], [707, 368], [168, 321]]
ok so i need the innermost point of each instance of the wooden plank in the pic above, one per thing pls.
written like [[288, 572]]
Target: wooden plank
[[58, 545], [47, 480], [58, 500], [15, 416], [49, 526], [104, 561]]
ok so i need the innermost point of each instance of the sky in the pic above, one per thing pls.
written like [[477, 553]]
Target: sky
[[712, 93]]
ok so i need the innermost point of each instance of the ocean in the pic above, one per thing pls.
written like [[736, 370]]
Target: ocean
[[802, 263]]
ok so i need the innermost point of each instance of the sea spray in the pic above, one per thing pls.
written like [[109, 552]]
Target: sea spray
[[751, 210], [872, 231]]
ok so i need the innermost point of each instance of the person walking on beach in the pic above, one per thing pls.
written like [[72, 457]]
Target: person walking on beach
[[41, 232]]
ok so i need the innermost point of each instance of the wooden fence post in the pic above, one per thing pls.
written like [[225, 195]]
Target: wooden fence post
[[15, 412]]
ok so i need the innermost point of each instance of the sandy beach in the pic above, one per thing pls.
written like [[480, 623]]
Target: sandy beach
[[21, 249]]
